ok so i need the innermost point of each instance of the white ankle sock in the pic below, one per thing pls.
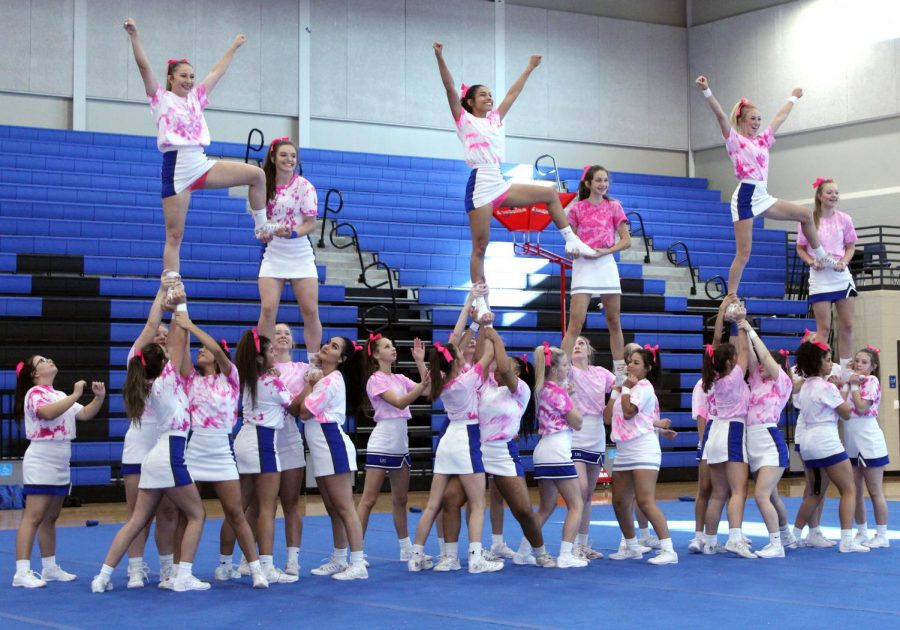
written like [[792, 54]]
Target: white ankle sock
[[581, 539]]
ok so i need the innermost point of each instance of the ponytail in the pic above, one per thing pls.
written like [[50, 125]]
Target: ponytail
[[24, 382], [440, 367], [250, 360], [146, 365], [714, 366]]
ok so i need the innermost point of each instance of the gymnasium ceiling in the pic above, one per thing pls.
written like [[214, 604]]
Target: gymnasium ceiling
[[670, 12]]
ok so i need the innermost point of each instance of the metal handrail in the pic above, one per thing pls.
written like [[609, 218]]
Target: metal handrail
[[328, 209], [262, 143], [554, 171], [719, 284], [642, 232], [671, 254], [354, 241]]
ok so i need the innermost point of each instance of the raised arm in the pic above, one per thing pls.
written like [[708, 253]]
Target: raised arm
[[418, 355], [183, 321], [503, 365], [724, 124], [782, 114], [516, 87], [154, 318], [719, 328], [447, 79], [742, 345], [140, 57], [218, 70], [90, 410], [58, 408], [769, 365], [456, 336], [177, 341]]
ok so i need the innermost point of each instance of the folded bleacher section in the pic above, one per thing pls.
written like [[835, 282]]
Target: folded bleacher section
[[82, 242]]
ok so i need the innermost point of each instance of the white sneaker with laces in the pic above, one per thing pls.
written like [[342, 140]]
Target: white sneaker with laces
[[626, 553], [138, 576], [878, 542], [447, 563], [740, 548], [502, 550], [292, 567], [274, 575], [771, 550], [243, 568], [789, 541], [481, 307], [490, 556], [226, 572], [189, 583], [524, 559], [419, 564], [711, 550], [355, 571], [478, 564], [100, 584], [544, 560], [329, 568], [818, 541], [56, 574], [860, 538], [259, 579], [664, 557], [588, 553], [266, 230], [576, 245], [695, 546], [167, 578], [570, 562], [650, 541], [852, 547], [28, 579]]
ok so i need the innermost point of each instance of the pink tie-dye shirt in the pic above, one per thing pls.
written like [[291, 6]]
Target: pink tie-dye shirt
[[767, 397], [213, 401], [483, 141], [179, 121], [596, 225], [293, 375], [700, 402], [500, 411], [60, 428], [643, 396], [729, 396], [869, 389], [327, 402], [460, 395], [293, 202], [168, 402], [750, 156], [818, 401], [272, 400], [553, 405], [381, 382], [592, 384], [836, 233]]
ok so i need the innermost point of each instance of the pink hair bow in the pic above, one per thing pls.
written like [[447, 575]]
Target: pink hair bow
[[224, 345], [547, 354], [585, 171], [709, 351], [372, 339], [19, 367], [356, 347], [140, 355], [278, 140], [524, 358], [873, 349], [807, 333], [784, 353], [182, 60], [256, 340], [652, 349], [809, 337], [821, 180], [463, 88], [740, 108], [444, 351]]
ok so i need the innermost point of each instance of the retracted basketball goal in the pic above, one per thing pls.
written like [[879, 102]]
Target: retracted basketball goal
[[530, 221]]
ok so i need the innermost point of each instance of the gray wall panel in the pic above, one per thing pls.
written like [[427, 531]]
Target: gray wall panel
[[328, 49], [574, 68], [279, 60], [526, 35], [109, 57], [15, 45], [377, 69], [50, 64], [217, 24]]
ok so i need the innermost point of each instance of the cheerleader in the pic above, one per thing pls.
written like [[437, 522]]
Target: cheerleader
[[458, 451], [724, 370], [504, 400], [591, 385], [831, 284], [554, 470], [265, 411], [748, 149], [139, 440], [49, 416], [323, 405], [478, 126], [866, 446], [213, 388], [634, 412], [821, 404], [182, 135], [387, 452], [598, 220], [288, 255], [767, 452], [153, 380]]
